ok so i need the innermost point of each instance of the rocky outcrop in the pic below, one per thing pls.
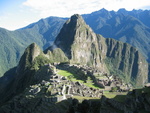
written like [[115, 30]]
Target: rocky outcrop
[[32, 61], [31, 52], [82, 46], [129, 60], [56, 56], [80, 43], [30, 69]]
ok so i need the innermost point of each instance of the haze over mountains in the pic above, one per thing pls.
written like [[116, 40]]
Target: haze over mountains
[[127, 26], [13, 43]]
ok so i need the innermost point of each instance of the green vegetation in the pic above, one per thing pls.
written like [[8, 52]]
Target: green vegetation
[[128, 26], [40, 61], [142, 90], [13, 43], [120, 98], [115, 95], [63, 105], [65, 73], [74, 77], [90, 83], [57, 55], [114, 71], [110, 95], [114, 89], [84, 98]]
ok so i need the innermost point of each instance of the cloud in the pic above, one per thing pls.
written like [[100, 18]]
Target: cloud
[[66, 8], [63, 7], [16, 15], [128, 4]]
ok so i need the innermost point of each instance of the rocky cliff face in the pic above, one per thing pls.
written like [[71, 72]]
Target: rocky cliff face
[[81, 45], [28, 57], [129, 60], [130, 27], [32, 60]]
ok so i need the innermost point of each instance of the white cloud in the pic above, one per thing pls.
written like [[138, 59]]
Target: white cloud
[[127, 4], [63, 7], [16, 20], [66, 8], [33, 10]]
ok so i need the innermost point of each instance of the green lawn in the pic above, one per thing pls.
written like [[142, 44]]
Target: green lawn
[[64, 73], [73, 77], [116, 96], [91, 85], [84, 98]]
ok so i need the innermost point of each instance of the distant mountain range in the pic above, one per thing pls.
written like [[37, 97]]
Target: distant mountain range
[[13, 43], [127, 26], [132, 27]]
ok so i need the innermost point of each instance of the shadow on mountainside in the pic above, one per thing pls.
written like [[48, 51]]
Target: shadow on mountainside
[[6, 85]]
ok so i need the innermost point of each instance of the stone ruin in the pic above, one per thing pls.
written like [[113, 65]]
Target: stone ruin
[[61, 88]]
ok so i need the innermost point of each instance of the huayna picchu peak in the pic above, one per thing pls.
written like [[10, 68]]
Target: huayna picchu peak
[[81, 45], [79, 65]]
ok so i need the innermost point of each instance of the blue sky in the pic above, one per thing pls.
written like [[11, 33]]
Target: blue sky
[[15, 14]]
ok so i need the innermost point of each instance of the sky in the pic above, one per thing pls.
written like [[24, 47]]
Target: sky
[[15, 14]]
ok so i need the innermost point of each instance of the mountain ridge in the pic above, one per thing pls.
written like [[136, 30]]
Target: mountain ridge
[[18, 40], [87, 48], [101, 25], [123, 26]]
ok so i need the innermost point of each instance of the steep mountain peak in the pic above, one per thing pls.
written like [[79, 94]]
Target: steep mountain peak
[[122, 10], [79, 43], [76, 20], [103, 10], [76, 16], [34, 51], [31, 52], [74, 30], [82, 46]]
